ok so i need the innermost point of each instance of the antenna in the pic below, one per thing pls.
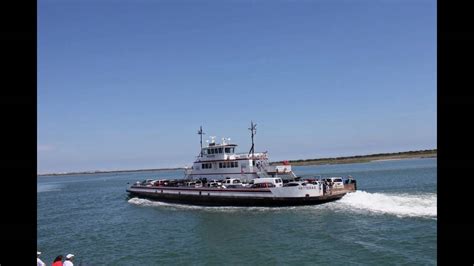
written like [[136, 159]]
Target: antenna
[[253, 129], [200, 132]]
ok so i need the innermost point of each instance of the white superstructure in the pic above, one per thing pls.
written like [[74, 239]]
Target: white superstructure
[[220, 161]]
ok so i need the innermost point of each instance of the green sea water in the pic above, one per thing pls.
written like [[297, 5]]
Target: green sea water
[[390, 220]]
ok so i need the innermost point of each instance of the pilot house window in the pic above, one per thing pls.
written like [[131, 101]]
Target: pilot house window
[[228, 165], [215, 150]]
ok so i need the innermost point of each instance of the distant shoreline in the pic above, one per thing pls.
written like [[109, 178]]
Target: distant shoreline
[[337, 160], [379, 157], [115, 171]]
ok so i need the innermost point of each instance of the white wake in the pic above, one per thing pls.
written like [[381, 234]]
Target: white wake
[[176, 206], [146, 203], [401, 205], [48, 187]]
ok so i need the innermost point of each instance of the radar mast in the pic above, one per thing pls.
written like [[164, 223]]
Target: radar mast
[[200, 132], [253, 129]]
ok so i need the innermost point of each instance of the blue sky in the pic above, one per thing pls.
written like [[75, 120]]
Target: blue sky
[[126, 84]]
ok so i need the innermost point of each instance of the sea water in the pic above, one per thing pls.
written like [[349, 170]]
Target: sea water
[[390, 220]]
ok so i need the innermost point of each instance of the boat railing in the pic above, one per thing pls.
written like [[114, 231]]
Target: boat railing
[[263, 174], [258, 155], [241, 155]]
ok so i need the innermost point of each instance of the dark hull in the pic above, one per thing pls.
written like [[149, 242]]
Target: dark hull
[[204, 200]]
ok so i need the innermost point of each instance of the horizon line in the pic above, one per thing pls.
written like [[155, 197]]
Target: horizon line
[[176, 168]]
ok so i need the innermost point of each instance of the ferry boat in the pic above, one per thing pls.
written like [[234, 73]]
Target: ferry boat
[[221, 177]]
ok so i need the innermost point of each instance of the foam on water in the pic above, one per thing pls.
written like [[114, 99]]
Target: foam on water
[[48, 187], [401, 205], [146, 203], [175, 206]]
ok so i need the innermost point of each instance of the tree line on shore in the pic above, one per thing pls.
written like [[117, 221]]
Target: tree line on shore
[[405, 154]]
